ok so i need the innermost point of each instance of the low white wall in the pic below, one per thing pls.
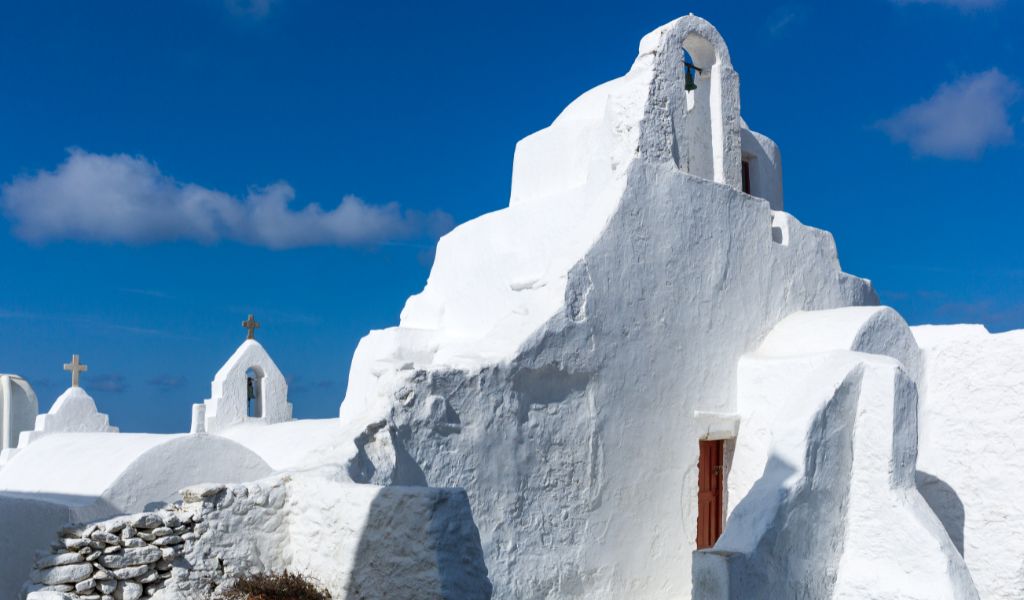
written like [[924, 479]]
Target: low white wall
[[26, 525], [359, 541], [971, 461]]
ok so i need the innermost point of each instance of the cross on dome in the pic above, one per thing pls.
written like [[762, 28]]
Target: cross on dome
[[252, 326], [75, 367]]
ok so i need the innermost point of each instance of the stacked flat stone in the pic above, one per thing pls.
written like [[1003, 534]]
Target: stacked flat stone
[[124, 558]]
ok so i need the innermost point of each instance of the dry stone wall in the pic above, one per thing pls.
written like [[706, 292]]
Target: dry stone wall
[[168, 553], [124, 558], [247, 532]]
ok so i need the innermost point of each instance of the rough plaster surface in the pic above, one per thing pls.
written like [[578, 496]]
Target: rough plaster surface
[[971, 461], [359, 541], [765, 160], [554, 361]]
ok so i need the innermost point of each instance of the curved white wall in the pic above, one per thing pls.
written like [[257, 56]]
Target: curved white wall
[[821, 489], [19, 408]]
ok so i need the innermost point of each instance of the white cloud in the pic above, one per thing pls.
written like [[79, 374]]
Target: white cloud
[[965, 5], [960, 120], [121, 198]]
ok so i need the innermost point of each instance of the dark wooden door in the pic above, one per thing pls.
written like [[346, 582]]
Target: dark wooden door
[[710, 492]]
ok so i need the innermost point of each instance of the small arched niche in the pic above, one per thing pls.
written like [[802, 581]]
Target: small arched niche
[[700, 136], [254, 392]]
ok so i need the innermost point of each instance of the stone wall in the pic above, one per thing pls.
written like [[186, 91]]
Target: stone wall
[[358, 541], [123, 558]]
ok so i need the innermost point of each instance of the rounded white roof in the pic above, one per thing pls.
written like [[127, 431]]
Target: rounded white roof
[[76, 469]]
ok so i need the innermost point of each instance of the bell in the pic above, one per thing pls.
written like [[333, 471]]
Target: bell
[[690, 85]]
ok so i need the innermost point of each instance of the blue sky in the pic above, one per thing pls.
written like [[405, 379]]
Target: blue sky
[[296, 160]]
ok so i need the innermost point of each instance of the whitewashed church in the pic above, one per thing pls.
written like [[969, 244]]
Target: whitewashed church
[[643, 379]]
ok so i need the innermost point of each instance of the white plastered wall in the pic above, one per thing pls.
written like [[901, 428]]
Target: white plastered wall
[[821, 491], [228, 404], [358, 541], [822, 496], [765, 161], [19, 408], [74, 411], [971, 461]]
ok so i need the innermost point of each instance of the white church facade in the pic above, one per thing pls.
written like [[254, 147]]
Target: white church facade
[[248, 388], [642, 379]]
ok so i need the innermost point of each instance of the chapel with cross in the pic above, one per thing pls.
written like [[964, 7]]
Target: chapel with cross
[[249, 388]]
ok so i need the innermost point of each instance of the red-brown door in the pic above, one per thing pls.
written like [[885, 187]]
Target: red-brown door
[[710, 492]]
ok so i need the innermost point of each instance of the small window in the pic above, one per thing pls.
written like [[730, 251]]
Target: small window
[[746, 176]]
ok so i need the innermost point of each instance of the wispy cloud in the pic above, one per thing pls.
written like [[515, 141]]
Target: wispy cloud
[[166, 383], [92, 323], [110, 383], [150, 293], [126, 199], [142, 330], [960, 120], [257, 9], [964, 5], [784, 17]]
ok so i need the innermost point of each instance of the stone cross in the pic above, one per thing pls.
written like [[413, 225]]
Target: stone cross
[[252, 326], [75, 367]]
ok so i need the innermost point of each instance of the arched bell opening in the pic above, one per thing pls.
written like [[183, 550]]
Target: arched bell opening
[[700, 134], [254, 377]]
